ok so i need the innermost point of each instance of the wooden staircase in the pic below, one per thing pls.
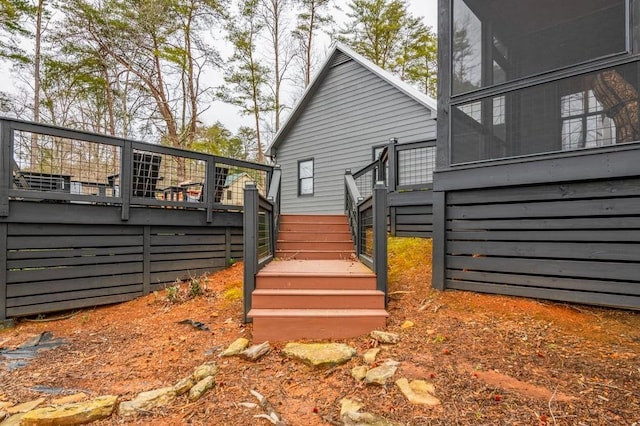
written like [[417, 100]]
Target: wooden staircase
[[315, 288]]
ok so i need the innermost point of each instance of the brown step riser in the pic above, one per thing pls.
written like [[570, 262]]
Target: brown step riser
[[263, 301], [315, 245], [314, 236], [299, 255], [279, 329], [321, 218], [316, 283], [319, 228]]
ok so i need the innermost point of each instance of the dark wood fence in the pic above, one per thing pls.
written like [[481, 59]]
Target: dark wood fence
[[126, 220], [565, 228]]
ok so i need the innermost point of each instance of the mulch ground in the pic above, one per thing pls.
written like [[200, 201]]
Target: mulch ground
[[493, 359]]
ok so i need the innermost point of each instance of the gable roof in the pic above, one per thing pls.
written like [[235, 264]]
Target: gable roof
[[234, 177], [315, 84]]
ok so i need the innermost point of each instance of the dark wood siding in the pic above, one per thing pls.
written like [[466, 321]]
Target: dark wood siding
[[575, 241], [67, 256]]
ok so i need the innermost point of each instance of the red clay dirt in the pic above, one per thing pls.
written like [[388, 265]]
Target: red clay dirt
[[494, 360]]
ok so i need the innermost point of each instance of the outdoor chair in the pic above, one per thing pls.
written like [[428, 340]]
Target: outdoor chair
[[146, 174]]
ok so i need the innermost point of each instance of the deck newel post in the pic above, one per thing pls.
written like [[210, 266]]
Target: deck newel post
[[210, 187], [380, 236], [6, 138], [126, 168], [250, 244], [146, 260], [439, 243], [3, 272], [393, 165]]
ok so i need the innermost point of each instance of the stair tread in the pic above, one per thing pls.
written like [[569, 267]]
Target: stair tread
[[315, 292], [317, 313], [314, 250], [317, 267]]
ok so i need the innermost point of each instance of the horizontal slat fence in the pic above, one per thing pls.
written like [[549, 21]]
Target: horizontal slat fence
[[53, 267], [577, 242]]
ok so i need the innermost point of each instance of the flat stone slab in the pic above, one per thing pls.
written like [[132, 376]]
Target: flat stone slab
[[380, 375], [146, 401], [236, 347], [320, 354], [71, 414], [418, 392], [385, 337]]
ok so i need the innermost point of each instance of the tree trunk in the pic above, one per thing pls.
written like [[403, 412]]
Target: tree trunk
[[36, 84]]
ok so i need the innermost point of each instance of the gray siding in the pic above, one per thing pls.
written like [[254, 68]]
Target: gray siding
[[352, 111]]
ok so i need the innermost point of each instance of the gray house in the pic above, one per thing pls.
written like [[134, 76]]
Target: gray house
[[346, 115]]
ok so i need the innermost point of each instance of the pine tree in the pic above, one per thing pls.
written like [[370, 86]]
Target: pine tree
[[385, 32]]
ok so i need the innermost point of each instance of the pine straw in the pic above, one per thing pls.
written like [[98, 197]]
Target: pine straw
[[591, 354]]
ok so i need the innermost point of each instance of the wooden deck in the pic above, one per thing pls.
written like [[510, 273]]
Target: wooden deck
[[302, 296]]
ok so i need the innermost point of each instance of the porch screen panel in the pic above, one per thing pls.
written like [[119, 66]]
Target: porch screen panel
[[503, 40], [591, 110]]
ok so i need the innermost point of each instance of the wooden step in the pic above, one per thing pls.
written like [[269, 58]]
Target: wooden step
[[314, 226], [316, 299], [315, 281], [314, 218], [344, 245], [316, 274], [315, 254], [277, 325], [311, 235]]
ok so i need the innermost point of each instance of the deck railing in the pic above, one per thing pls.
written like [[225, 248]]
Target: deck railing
[[407, 171], [260, 222], [48, 163], [368, 223], [402, 167]]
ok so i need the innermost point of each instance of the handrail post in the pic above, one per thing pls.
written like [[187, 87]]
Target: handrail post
[[126, 169], [6, 138], [210, 187], [380, 236], [273, 196], [393, 165], [250, 244]]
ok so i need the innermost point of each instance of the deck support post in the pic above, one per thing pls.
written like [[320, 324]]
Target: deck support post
[[3, 272], [439, 249], [250, 244], [146, 260], [380, 236]]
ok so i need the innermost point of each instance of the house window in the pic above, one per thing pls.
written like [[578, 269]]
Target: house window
[[584, 122], [305, 177], [229, 194], [377, 151], [503, 40]]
